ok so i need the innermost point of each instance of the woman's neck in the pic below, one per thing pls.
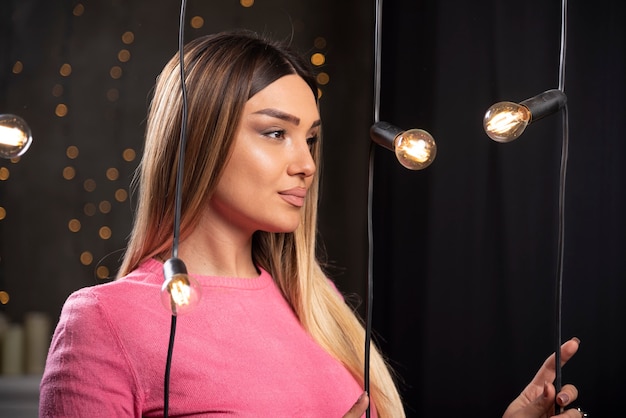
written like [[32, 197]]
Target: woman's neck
[[211, 252]]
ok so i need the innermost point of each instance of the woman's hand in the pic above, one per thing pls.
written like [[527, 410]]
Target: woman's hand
[[359, 408], [538, 398]]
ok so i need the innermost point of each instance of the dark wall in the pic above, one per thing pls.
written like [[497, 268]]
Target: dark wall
[[467, 249]]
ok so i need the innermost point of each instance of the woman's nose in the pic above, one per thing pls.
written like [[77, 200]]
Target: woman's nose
[[302, 163]]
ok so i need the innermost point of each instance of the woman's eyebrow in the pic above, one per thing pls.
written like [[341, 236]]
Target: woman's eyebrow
[[279, 114]]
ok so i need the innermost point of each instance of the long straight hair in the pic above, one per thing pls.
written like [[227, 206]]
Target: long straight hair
[[223, 71]]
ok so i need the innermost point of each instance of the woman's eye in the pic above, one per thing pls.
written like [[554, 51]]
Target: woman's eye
[[278, 134], [312, 140]]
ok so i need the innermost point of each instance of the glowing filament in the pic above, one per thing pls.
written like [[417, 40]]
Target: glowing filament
[[415, 149], [180, 294], [15, 136], [505, 121]]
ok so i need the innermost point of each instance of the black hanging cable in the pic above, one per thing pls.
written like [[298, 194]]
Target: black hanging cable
[[183, 132], [378, 35], [168, 367], [561, 216], [563, 46], [178, 196], [370, 192], [370, 274]]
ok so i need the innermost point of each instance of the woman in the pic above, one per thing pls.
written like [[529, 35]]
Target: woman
[[272, 335]]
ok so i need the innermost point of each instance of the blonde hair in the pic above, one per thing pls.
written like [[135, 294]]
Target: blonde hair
[[222, 72]]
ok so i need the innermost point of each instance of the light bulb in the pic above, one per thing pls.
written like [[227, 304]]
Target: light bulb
[[15, 136], [180, 293], [505, 121], [415, 149]]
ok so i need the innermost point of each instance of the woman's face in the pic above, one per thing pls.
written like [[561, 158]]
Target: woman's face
[[271, 167]]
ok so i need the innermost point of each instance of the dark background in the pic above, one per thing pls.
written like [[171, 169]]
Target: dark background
[[464, 251]]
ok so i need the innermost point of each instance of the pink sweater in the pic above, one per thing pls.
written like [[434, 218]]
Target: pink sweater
[[242, 353]]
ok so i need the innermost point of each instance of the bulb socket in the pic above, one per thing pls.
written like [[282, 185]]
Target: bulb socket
[[172, 267], [384, 134], [545, 104]]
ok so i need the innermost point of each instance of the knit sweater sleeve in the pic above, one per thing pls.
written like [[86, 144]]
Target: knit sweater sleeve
[[87, 370]]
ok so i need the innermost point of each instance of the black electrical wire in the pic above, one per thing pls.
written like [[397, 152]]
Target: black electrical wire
[[370, 274], [370, 192], [168, 367], [563, 45], [378, 35], [178, 196], [183, 131], [558, 294]]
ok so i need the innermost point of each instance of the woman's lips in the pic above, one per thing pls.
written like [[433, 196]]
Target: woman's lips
[[294, 196]]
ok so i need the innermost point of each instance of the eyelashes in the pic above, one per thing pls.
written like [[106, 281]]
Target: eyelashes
[[280, 134], [275, 134]]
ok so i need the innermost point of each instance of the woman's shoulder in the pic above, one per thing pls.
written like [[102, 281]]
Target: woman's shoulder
[[130, 291]]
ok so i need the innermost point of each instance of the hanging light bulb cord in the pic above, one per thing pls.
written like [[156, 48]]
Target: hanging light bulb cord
[[178, 196], [370, 280], [561, 215], [370, 193]]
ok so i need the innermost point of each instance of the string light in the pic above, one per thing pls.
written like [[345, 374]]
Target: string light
[[180, 293], [174, 270], [15, 136], [506, 121], [415, 149]]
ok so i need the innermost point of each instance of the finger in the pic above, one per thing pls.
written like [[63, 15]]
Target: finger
[[542, 404], [547, 370], [568, 349], [567, 395], [359, 408], [571, 413]]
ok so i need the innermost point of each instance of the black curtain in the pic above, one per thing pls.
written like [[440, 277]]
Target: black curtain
[[466, 250]]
